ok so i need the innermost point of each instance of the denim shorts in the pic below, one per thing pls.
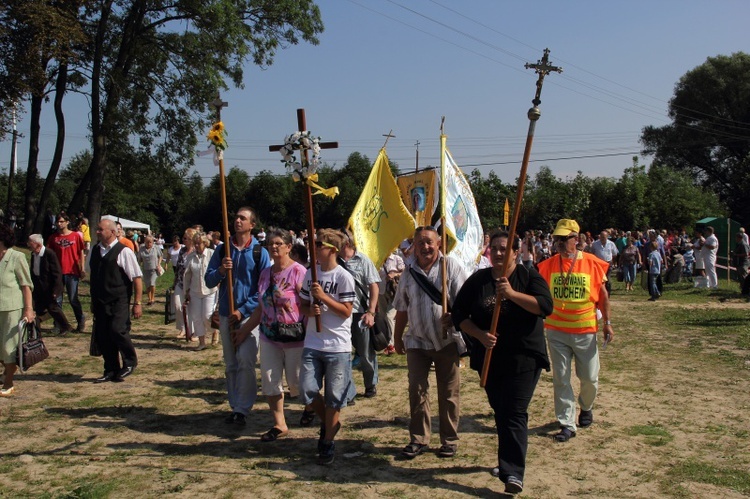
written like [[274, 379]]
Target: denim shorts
[[316, 366]]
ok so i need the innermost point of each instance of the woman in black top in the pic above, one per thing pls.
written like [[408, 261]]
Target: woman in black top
[[519, 350]]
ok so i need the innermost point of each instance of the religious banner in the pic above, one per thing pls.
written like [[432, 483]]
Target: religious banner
[[380, 221], [462, 225], [419, 192]]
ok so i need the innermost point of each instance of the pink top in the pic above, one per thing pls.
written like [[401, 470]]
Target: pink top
[[284, 294]]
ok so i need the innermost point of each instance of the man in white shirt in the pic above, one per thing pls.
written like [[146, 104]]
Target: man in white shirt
[[605, 250], [711, 248]]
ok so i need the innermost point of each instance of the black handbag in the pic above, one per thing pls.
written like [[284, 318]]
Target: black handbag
[[381, 332], [93, 345], [169, 312], [32, 350]]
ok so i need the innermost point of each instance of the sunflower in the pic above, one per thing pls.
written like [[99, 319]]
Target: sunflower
[[218, 127]]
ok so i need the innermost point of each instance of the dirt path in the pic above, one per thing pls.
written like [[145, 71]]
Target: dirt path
[[664, 413]]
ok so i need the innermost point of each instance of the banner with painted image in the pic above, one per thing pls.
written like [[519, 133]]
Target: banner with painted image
[[419, 193], [380, 220], [462, 225]]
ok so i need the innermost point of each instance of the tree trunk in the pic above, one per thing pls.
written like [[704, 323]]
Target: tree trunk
[[49, 183], [32, 171]]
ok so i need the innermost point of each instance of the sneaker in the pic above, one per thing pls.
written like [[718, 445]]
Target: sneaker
[[389, 350], [495, 472], [513, 485], [371, 392], [326, 453], [585, 419], [235, 418]]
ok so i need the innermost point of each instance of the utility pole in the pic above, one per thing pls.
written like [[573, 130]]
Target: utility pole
[[12, 172], [417, 164]]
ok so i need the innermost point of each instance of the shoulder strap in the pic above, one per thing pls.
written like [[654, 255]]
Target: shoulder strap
[[257, 249], [432, 291]]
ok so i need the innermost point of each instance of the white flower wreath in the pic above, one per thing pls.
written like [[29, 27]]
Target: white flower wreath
[[292, 145]]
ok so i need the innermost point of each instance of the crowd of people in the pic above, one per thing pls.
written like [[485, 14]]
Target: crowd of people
[[265, 299]]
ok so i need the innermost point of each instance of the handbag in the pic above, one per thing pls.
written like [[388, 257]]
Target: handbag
[[620, 275], [160, 270], [381, 332], [32, 350], [215, 319], [169, 312], [93, 345]]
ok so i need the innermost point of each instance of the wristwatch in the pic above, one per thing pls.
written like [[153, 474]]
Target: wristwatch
[[137, 303], [607, 323]]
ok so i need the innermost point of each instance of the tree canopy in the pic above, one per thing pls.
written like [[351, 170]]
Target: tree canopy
[[709, 137]]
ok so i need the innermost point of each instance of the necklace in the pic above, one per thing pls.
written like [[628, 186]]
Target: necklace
[[566, 277]]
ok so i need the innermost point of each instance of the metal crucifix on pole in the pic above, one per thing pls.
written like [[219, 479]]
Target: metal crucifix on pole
[[542, 68], [305, 158]]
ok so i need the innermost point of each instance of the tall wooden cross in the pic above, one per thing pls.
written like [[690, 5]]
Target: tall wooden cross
[[305, 160]]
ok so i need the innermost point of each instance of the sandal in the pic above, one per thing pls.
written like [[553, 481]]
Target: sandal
[[413, 450], [307, 418], [564, 435], [273, 434], [447, 450]]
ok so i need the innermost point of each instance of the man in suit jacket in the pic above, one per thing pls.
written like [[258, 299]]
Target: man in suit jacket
[[46, 275]]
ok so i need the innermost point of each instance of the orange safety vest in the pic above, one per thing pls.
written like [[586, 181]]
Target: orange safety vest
[[574, 304]]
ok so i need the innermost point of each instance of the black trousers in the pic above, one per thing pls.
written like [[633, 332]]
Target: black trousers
[[509, 395], [48, 304], [112, 334]]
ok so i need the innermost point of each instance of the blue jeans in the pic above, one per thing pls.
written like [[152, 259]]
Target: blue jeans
[[70, 282], [334, 367], [653, 288], [628, 271]]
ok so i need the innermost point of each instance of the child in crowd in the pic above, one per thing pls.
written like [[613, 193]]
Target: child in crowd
[[326, 354], [654, 270]]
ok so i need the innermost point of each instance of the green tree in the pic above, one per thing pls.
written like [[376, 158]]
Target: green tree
[[709, 136], [154, 66], [490, 195]]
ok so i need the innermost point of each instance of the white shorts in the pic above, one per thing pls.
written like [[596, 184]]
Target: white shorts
[[274, 361]]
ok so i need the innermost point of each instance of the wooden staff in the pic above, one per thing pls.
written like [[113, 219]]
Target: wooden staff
[[542, 68], [443, 239], [305, 160], [218, 104]]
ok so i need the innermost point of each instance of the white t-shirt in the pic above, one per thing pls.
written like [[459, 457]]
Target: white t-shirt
[[335, 335], [711, 240]]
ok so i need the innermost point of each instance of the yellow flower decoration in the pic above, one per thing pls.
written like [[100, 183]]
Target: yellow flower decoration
[[217, 136]]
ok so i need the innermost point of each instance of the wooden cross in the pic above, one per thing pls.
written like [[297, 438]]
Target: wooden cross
[[305, 160], [388, 136]]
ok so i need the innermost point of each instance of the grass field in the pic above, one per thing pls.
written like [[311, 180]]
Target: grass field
[[672, 420]]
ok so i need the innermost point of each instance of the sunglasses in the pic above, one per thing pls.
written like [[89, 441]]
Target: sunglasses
[[321, 244]]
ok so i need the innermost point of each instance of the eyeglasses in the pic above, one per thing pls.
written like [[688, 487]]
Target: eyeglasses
[[274, 244], [321, 244]]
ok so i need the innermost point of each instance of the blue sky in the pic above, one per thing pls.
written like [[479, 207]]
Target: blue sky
[[403, 64]]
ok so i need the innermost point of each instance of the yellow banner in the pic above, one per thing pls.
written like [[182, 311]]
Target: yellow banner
[[418, 190], [380, 221], [506, 213]]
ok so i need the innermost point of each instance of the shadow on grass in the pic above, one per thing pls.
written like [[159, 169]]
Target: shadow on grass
[[63, 378], [298, 457], [211, 390]]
